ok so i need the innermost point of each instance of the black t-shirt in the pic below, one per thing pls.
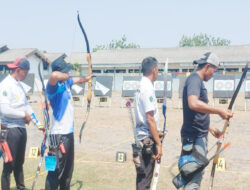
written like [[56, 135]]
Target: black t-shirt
[[195, 124]]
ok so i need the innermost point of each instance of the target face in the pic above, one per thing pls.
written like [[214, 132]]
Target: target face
[[130, 85], [247, 86], [219, 85], [228, 85], [224, 85], [127, 85], [159, 85], [134, 86]]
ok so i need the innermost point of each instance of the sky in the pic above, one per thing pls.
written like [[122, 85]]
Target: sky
[[51, 25]]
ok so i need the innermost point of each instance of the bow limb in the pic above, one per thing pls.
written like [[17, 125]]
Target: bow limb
[[46, 105], [164, 106], [46, 123], [89, 93], [226, 125]]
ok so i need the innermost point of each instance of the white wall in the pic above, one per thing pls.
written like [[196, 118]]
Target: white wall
[[34, 62]]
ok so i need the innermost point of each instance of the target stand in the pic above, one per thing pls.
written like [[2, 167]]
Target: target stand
[[103, 101], [223, 101]]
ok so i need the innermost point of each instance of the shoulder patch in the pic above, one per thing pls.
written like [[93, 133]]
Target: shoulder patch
[[5, 93], [151, 98]]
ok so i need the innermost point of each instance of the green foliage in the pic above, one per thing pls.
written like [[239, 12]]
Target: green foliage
[[117, 44], [77, 67], [203, 40]]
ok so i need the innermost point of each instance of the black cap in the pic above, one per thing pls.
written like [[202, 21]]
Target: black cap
[[61, 66]]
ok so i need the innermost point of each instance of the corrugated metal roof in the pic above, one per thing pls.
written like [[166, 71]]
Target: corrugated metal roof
[[2, 46], [175, 55], [54, 56], [11, 54]]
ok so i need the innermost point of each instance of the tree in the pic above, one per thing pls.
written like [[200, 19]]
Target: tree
[[203, 40], [117, 44], [77, 67]]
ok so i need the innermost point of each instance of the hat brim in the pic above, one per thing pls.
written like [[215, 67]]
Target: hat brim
[[200, 62], [12, 66]]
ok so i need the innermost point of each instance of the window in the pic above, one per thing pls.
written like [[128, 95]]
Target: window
[[120, 70], [96, 71], [187, 70], [232, 69], [134, 71], [45, 66], [108, 71], [173, 70], [160, 70], [4, 69]]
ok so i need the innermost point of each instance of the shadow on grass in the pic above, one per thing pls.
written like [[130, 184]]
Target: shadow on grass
[[170, 170], [76, 184]]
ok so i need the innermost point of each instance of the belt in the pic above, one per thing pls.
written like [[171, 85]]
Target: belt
[[3, 127]]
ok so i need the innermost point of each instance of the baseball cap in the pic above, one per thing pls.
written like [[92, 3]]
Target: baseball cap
[[20, 62], [208, 58], [61, 66]]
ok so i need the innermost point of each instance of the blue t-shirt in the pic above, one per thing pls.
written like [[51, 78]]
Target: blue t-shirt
[[62, 105], [195, 124]]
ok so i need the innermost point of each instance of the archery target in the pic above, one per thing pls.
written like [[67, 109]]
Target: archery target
[[103, 86], [247, 86], [223, 85], [78, 89], [130, 85], [159, 86]]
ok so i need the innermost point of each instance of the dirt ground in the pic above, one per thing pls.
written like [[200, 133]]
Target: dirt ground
[[109, 130]]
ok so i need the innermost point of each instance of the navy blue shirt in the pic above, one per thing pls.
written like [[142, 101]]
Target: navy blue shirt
[[195, 124]]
